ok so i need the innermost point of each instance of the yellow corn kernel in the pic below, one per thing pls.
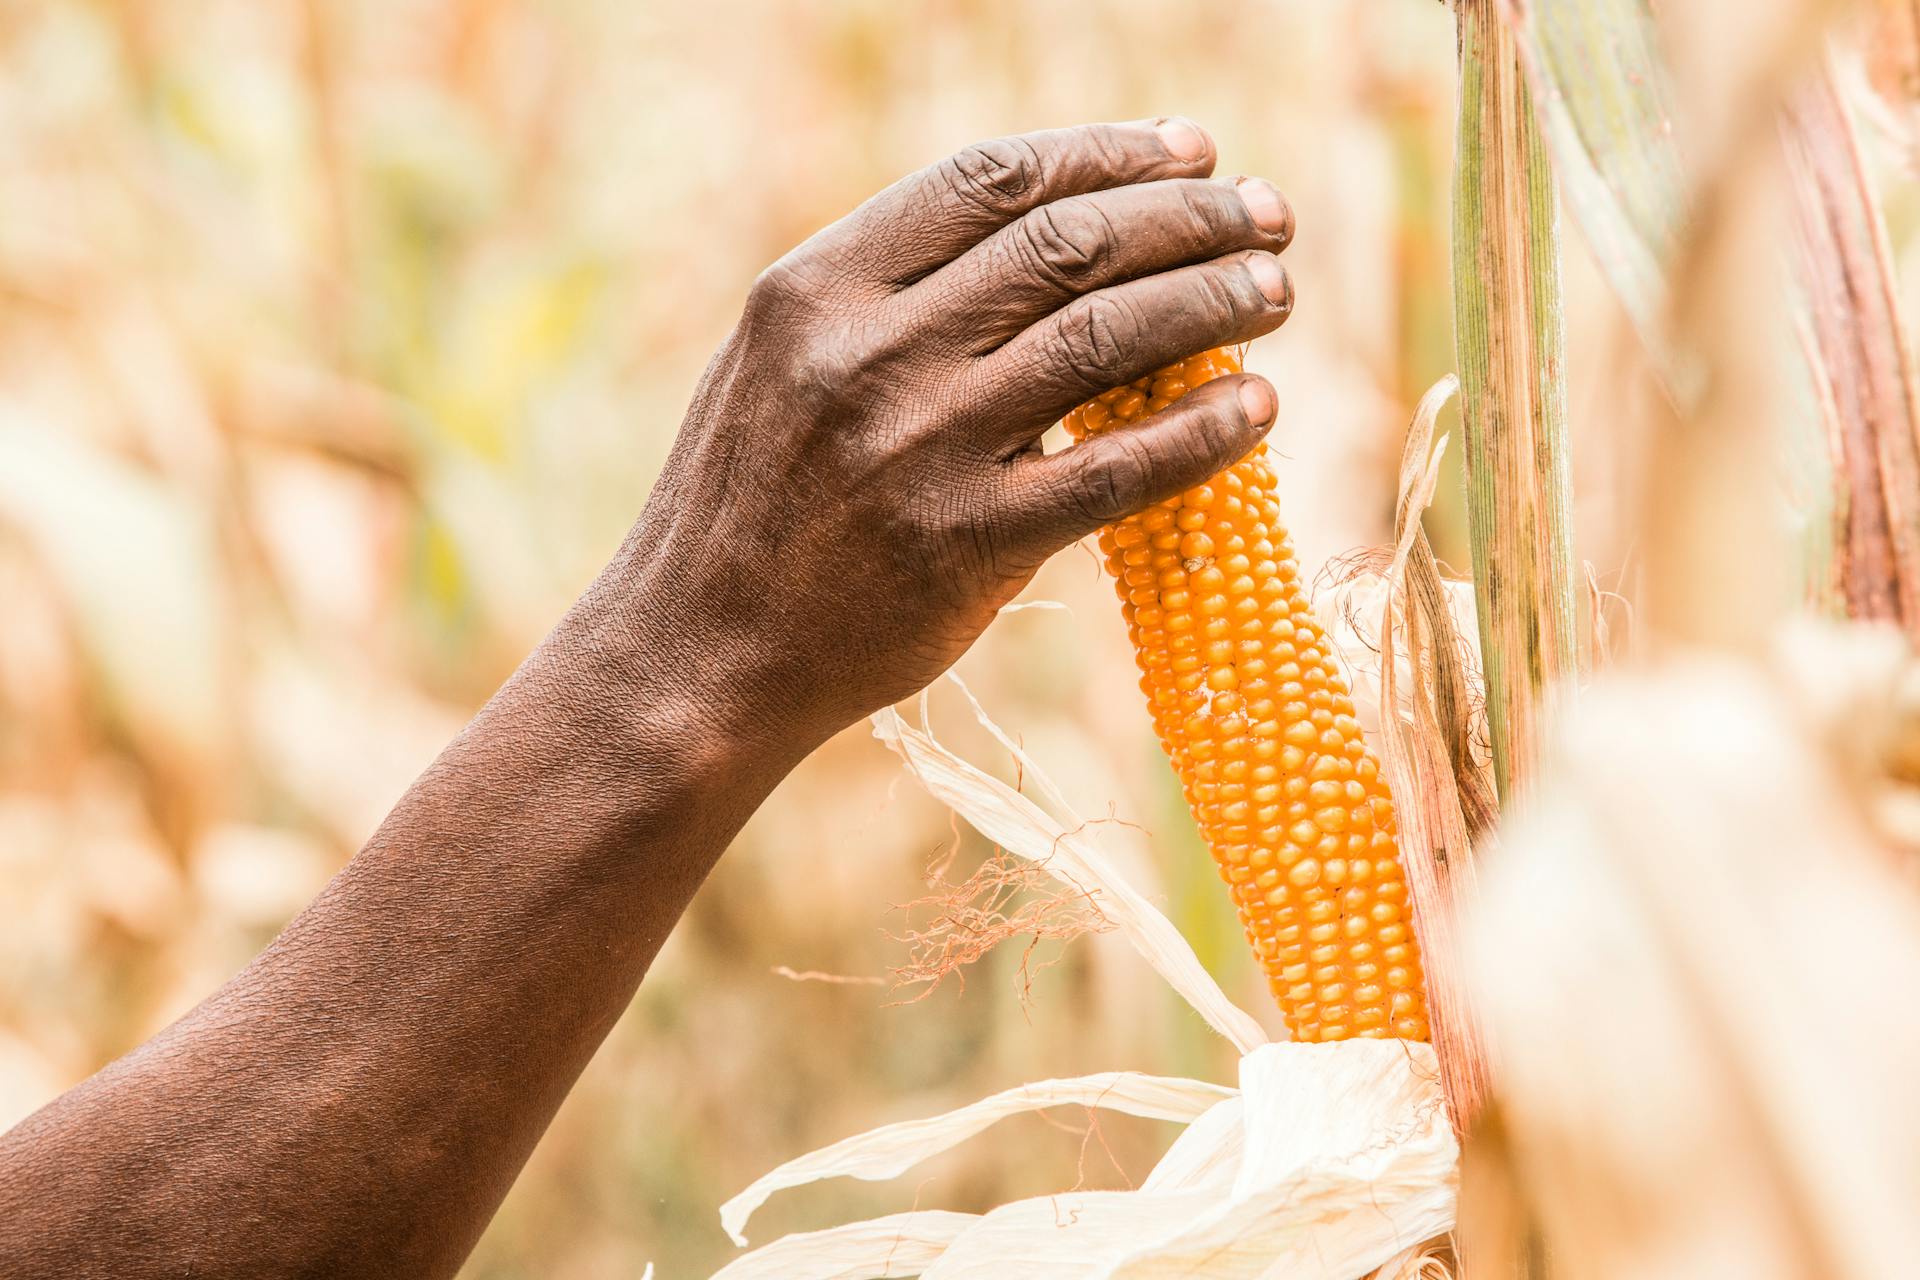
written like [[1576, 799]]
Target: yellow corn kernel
[[1258, 722]]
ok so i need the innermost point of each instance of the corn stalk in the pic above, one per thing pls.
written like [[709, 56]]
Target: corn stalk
[[1510, 341]]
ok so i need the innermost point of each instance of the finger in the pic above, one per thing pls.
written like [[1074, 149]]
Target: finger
[[1056, 500], [928, 219], [1107, 338], [1035, 265]]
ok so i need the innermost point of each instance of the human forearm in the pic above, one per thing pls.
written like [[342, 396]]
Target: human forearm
[[358, 1100]]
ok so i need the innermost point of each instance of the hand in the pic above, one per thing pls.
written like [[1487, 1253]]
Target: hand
[[859, 485]]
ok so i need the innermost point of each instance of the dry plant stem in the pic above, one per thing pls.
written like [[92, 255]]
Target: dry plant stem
[[1510, 339], [1863, 357], [1436, 847]]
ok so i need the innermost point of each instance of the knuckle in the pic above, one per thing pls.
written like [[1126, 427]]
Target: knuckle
[[792, 284], [772, 290], [1115, 151], [1229, 298], [1119, 484], [1203, 447], [821, 373], [995, 175], [822, 274], [1097, 340], [1067, 242], [871, 346], [841, 365], [1208, 217]]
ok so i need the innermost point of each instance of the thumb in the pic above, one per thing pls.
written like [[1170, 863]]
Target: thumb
[[1056, 500]]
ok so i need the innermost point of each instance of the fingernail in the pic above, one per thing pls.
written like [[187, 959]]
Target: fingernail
[[1181, 137], [1270, 211], [1271, 277], [1257, 401]]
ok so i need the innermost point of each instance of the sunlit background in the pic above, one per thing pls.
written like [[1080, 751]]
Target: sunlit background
[[340, 341]]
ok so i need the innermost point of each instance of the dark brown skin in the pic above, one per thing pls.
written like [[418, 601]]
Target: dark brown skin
[[856, 490]]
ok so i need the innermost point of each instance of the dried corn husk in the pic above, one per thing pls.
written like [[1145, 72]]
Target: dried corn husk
[[888, 1152], [1068, 849], [1330, 1160]]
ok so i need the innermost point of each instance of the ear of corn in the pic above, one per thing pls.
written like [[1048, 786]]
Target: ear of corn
[[1258, 722]]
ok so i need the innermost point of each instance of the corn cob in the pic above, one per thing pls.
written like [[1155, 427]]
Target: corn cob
[[1258, 722]]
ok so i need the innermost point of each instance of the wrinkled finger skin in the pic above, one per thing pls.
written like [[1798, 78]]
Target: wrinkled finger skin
[[857, 488]]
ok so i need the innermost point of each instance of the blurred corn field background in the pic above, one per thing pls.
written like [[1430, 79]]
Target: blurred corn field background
[[339, 344]]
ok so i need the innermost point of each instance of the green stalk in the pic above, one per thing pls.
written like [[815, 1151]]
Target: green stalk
[[1510, 345]]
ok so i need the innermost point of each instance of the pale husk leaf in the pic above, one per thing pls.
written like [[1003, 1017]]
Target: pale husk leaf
[[1348, 1161], [1620, 92], [1031, 774], [1206, 1156], [889, 1151], [901, 1244], [1072, 855], [1362, 1106]]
